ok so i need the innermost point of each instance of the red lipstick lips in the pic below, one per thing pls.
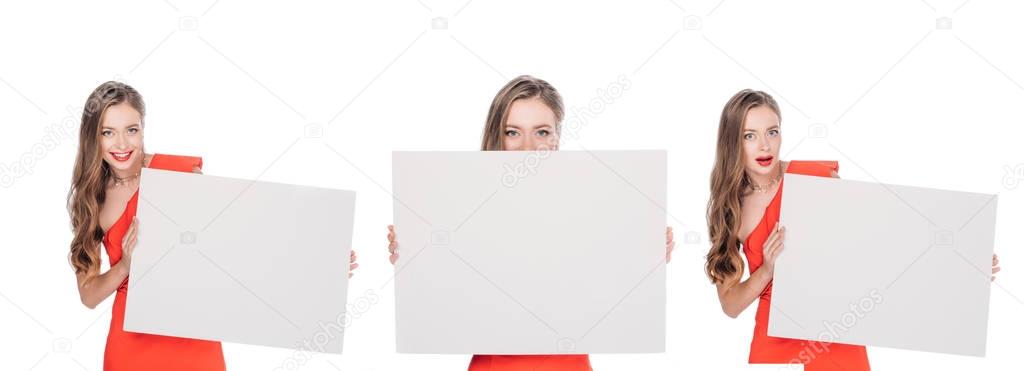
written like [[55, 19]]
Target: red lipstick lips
[[122, 156]]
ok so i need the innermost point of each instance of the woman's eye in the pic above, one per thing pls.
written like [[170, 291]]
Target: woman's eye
[[133, 130], [543, 133], [511, 133], [107, 133], [748, 136], [773, 132]]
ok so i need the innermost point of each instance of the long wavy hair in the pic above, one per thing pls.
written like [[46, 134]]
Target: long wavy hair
[[522, 87], [728, 182], [91, 174]]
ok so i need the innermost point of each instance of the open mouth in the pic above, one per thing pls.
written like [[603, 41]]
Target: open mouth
[[122, 156], [765, 160]]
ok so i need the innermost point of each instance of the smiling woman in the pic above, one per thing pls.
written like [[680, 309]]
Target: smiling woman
[[102, 203]]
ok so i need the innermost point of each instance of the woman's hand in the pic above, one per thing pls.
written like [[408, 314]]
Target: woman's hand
[[352, 265], [772, 247], [128, 243], [995, 266], [392, 244], [670, 244]]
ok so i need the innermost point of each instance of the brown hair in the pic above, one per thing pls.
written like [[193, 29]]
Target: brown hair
[[728, 180], [522, 87], [91, 173]]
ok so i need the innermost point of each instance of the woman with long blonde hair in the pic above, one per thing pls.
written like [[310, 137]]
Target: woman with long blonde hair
[[743, 214], [102, 203]]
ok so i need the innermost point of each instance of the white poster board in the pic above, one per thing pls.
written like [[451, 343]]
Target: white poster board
[[884, 265], [507, 252], [241, 261]]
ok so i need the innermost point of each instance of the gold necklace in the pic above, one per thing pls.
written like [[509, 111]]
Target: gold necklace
[[764, 188], [119, 181]]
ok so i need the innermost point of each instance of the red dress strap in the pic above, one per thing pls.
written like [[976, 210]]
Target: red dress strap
[[175, 162], [816, 168]]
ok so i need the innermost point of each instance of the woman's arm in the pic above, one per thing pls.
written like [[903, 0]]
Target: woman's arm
[[735, 295], [93, 288]]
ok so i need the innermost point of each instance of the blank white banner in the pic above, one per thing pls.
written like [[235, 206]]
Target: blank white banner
[[506, 252], [241, 261], [884, 265]]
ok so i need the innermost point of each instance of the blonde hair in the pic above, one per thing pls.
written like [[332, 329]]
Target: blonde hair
[[728, 180], [522, 87], [91, 174]]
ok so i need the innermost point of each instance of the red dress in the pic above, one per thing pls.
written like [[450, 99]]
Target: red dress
[[130, 351], [816, 356], [560, 362]]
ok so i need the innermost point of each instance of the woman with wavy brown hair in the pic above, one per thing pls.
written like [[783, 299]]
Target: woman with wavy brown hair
[[743, 213], [525, 115], [102, 204]]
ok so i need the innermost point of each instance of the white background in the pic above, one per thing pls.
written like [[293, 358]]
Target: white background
[[898, 100]]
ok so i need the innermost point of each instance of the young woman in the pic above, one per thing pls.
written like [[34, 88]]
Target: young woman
[[102, 204], [526, 115], [743, 213]]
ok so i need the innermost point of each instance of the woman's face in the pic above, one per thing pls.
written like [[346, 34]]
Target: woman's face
[[761, 140], [121, 137], [530, 126]]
